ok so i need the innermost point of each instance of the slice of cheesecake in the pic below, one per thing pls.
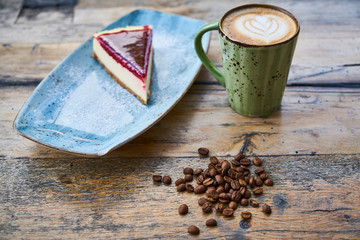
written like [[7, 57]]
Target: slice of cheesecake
[[126, 54]]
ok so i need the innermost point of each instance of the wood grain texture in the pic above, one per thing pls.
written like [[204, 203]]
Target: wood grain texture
[[313, 196], [310, 147], [321, 120]]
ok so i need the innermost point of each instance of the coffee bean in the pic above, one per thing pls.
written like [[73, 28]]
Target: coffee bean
[[203, 151], [212, 200], [188, 170], [269, 182], [244, 202], [224, 198], [181, 187], [202, 201], [235, 185], [214, 160], [245, 162], [264, 176], [233, 205], [197, 172], [228, 212], [225, 165], [235, 163], [167, 180], [239, 156], [247, 194], [259, 171], [231, 173], [200, 189], [252, 182], [157, 178], [206, 173], [266, 208], [214, 194], [258, 191], [189, 177], [220, 189], [199, 179], [212, 172], [257, 161], [211, 188], [227, 187], [194, 230], [254, 203], [219, 207], [190, 188], [242, 183], [208, 182], [228, 179], [211, 222], [258, 182], [242, 190], [246, 179], [246, 215], [207, 207], [179, 181], [219, 179], [183, 209], [239, 175], [236, 196]]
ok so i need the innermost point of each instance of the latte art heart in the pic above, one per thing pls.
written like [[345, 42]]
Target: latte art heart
[[259, 26], [264, 28]]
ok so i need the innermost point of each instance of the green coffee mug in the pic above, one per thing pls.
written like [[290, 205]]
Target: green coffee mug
[[254, 76]]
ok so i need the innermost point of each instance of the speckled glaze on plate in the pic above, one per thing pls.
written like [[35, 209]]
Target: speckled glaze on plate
[[79, 108]]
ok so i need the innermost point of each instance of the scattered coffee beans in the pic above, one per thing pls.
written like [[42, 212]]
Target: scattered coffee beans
[[228, 212], [244, 202], [269, 182], [246, 215], [211, 222], [226, 184], [194, 230], [254, 203], [202, 201], [257, 161], [203, 151], [181, 187], [266, 208], [189, 177], [233, 205], [179, 181], [258, 191], [157, 178], [188, 170], [183, 209], [189, 188], [167, 180], [207, 207]]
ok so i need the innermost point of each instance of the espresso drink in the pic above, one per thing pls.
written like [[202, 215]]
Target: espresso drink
[[259, 26]]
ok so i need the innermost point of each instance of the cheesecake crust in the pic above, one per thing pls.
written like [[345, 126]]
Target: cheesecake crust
[[122, 84]]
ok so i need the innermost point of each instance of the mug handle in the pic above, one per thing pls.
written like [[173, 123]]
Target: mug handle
[[210, 66]]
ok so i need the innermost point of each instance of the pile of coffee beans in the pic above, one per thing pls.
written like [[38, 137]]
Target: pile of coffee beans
[[226, 184]]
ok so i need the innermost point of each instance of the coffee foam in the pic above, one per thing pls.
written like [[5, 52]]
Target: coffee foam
[[259, 26]]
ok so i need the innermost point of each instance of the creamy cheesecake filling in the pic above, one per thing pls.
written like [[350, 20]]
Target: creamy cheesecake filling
[[123, 75]]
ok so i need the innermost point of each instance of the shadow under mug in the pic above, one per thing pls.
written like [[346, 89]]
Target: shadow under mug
[[254, 76]]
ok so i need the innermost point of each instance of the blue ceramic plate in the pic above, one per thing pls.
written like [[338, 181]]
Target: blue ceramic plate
[[79, 108]]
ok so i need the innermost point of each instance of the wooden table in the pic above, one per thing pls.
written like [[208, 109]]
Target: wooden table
[[311, 147]]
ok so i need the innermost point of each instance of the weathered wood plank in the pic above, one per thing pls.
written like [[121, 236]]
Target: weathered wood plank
[[31, 62], [321, 120], [9, 11], [313, 197]]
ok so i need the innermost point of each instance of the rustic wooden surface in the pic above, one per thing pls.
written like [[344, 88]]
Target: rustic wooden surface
[[310, 147]]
